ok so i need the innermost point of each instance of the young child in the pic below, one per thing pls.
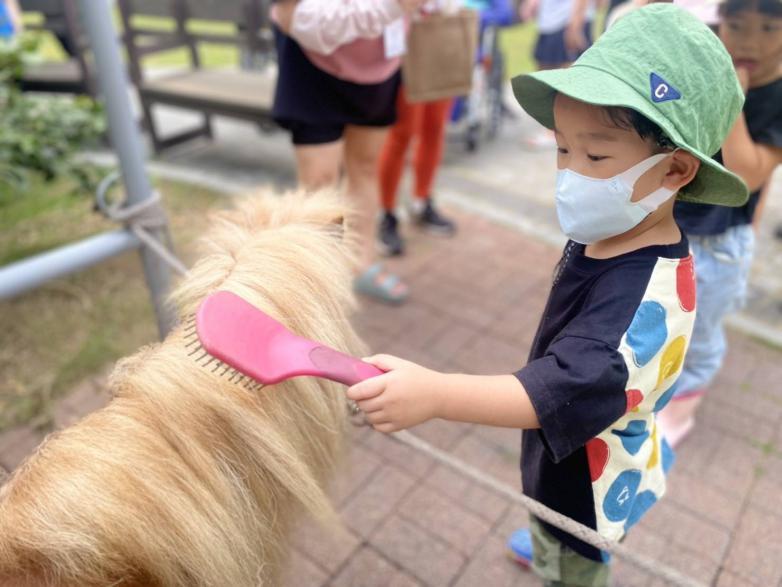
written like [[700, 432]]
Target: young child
[[10, 19], [635, 128], [722, 239]]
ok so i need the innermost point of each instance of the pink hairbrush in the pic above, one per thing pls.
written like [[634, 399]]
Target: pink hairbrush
[[254, 348]]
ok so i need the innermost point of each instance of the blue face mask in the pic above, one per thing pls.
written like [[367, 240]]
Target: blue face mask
[[590, 209]]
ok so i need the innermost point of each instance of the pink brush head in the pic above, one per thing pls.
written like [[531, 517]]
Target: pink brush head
[[256, 345]]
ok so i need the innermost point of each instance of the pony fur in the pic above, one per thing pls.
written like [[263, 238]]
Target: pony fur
[[185, 479]]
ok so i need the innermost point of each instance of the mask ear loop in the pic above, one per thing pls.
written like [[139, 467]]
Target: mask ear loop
[[652, 201]]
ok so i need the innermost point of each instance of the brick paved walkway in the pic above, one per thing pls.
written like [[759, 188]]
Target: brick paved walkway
[[411, 522]]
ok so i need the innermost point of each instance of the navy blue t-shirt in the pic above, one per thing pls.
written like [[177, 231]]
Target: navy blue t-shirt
[[608, 349], [763, 112]]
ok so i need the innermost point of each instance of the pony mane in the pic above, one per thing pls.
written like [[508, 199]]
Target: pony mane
[[186, 479]]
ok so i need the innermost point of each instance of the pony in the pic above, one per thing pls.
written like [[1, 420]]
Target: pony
[[185, 478]]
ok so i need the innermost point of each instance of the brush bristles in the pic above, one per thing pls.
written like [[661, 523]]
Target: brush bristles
[[201, 356]]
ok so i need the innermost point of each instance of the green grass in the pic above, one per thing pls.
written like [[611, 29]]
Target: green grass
[[211, 54], [517, 42], [71, 328]]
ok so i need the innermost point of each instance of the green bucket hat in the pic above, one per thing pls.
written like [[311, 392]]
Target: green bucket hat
[[662, 62]]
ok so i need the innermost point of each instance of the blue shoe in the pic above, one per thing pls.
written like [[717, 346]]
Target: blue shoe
[[520, 547]]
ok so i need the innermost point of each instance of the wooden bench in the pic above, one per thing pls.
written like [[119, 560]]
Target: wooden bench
[[235, 93], [72, 76]]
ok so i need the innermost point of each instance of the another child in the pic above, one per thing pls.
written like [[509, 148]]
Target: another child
[[635, 129], [10, 19], [722, 239]]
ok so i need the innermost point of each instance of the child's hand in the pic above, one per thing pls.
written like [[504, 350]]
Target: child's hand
[[406, 395]]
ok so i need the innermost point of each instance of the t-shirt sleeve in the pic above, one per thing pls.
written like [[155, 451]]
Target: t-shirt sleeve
[[577, 389]]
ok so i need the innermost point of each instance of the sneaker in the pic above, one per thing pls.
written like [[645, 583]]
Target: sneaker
[[389, 241], [520, 547], [427, 217]]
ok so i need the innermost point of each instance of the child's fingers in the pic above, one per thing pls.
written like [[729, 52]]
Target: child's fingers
[[371, 405], [385, 362], [385, 427], [376, 418], [366, 389]]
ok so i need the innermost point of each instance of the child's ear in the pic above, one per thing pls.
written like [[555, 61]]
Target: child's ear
[[684, 167]]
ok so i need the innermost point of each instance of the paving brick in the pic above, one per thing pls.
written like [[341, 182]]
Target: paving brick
[[499, 462], [756, 546], [16, 444], [478, 500], [302, 572], [729, 579], [367, 568], [328, 546], [699, 495], [426, 557], [448, 345], [767, 491], [491, 357], [357, 470], [376, 500], [442, 434], [410, 460], [730, 463], [749, 399], [444, 518], [491, 567], [735, 420], [505, 438], [680, 528]]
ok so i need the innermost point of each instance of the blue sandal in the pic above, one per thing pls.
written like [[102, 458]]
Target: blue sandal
[[370, 284], [520, 547]]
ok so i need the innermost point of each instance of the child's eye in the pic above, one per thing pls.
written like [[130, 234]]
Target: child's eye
[[596, 157], [562, 150], [770, 28]]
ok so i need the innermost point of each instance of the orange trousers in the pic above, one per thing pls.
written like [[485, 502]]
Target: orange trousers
[[425, 122]]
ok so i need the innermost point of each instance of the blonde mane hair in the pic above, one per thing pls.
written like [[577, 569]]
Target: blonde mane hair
[[185, 479]]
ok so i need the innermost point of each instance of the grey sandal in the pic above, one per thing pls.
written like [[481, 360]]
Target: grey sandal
[[368, 284]]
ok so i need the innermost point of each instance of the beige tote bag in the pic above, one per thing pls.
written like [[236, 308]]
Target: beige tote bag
[[440, 56]]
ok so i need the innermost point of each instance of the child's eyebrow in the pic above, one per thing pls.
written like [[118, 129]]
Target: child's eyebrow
[[600, 136]]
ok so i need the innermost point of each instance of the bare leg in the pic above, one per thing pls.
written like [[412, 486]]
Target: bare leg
[[319, 166], [362, 150]]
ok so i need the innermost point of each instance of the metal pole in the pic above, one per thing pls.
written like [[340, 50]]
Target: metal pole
[[113, 85], [30, 273]]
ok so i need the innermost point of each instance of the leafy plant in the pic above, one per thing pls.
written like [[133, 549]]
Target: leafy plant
[[41, 134]]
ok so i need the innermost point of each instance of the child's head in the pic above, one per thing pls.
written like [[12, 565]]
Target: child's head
[[658, 90], [752, 33], [641, 166]]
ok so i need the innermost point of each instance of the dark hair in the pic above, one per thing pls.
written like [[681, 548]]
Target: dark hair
[[629, 119], [767, 7]]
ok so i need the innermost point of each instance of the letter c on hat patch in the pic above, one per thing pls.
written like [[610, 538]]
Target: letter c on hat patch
[[662, 91]]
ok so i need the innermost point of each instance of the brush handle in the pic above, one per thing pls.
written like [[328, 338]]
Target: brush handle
[[340, 367]]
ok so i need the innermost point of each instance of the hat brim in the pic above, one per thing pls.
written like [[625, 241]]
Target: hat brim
[[713, 184]]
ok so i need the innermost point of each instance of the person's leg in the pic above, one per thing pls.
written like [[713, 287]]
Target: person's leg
[[362, 149], [722, 270], [431, 145], [560, 566], [318, 165], [429, 155], [390, 168], [392, 156]]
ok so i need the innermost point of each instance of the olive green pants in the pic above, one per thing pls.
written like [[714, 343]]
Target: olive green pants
[[560, 566]]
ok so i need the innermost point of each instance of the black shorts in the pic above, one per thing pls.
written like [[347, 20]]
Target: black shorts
[[316, 106], [550, 48]]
